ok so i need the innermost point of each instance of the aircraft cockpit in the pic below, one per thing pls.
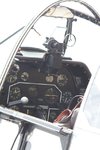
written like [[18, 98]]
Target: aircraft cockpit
[[42, 80], [45, 80]]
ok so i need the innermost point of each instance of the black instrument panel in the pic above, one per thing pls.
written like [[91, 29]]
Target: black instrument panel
[[48, 91]]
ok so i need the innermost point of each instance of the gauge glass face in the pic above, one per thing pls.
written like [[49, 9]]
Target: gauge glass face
[[15, 93], [62, 80], [15, 68], [49, 78], [51, 96], [11, 78], [24, 76]]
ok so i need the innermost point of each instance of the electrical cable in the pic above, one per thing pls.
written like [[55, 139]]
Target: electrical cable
[[20, 129]]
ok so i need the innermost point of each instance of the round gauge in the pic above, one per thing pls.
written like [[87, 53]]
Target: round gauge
[[11, 78], [24, 76], [15, 93], [33, 91], [15, 68], [49, 78], [51, 96], [62, 80]]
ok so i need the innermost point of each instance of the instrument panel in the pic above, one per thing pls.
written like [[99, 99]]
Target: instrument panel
[[48, 92]]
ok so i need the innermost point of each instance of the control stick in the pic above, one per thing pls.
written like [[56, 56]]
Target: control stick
[[23, 100]]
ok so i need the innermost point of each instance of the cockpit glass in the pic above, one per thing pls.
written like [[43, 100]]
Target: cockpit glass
[[83, 38], [45, 27], [91, 109]]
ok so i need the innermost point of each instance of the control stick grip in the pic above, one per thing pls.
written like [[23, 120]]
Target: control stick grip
[[23, 100]]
